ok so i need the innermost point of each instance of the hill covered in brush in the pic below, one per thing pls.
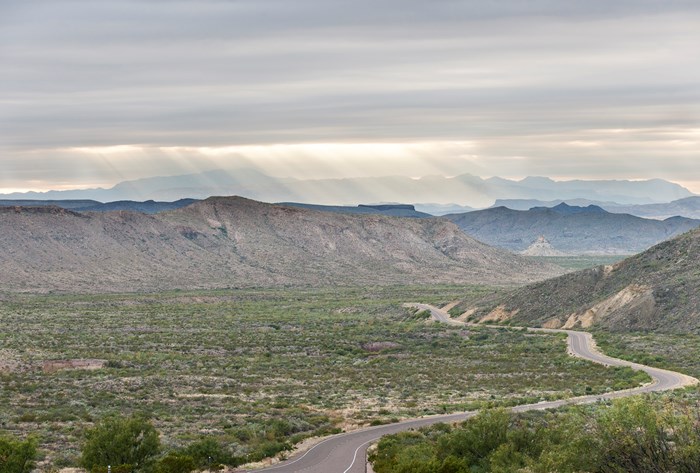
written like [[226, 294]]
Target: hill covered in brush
[[236, 242], [657, 290]]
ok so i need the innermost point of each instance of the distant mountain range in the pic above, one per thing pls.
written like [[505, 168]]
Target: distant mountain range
[[657, 290], [153, 207], [464, 189], [235, 242], [390, 210], [569, 229], [147, 207], [686, 207], [442, 209]]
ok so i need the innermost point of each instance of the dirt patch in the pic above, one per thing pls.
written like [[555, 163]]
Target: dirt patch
[[79, 364], [205, 395], [449, 306], [8, 366], [553, 323], [464, 316], [11, 362], [378, 346], [499, 314], [583, 320], [347, 310]]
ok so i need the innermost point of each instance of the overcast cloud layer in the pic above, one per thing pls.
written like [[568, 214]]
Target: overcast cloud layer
[[92, 93]]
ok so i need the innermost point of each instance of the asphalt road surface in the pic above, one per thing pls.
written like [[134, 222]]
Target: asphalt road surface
[[346, 453]]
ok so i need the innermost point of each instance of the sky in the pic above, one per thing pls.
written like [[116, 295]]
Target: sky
[[96, 92]]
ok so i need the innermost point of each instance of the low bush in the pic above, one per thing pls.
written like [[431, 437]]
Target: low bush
[[125, 443], [17, 456]]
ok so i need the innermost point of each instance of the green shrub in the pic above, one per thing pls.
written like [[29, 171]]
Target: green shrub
[[175, 462], [633, 435], [17, 456], [120, 441], [268, 449], [208, 452]]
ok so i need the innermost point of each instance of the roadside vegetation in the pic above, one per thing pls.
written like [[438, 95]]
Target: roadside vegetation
[[652, 434], [17, 456], [242, 375], [673, 351]]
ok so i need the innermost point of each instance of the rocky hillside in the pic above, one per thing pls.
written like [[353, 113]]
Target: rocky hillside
[[541, 247], [228, 242], [570, 229], [656, 290]]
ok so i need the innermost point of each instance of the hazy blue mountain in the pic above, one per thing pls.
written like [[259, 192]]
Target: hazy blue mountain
[[64, 204], [687, 207], [527, 204], [442, 209], [147, 207], [464, 189], [391, 210], [569, 229]]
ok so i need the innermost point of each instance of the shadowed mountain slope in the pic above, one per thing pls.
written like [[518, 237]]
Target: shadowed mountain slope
[[225, 242], [657, 290], [147, 207], [687, 207], [569, 229]]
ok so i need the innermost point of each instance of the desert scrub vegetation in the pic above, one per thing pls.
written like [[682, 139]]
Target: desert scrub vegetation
[[127, 444], [249, 373], [640, 434], [576, 263], [675, 351], [17, 456]]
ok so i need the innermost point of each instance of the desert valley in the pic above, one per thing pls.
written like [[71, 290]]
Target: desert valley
[[319, 236]]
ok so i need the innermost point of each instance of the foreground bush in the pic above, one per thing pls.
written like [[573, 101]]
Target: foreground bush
[[208, 453], [634, 435], [17, 456], [175, 463], [126, 443]]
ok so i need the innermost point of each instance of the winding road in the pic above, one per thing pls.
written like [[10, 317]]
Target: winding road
[[346, 453]]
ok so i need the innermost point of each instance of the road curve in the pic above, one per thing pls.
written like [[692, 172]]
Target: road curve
[[346, 453]]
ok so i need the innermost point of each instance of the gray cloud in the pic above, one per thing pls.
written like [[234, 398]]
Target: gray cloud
[[541, 81]]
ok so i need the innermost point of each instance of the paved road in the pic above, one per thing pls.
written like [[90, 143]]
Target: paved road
[[346, 453]]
